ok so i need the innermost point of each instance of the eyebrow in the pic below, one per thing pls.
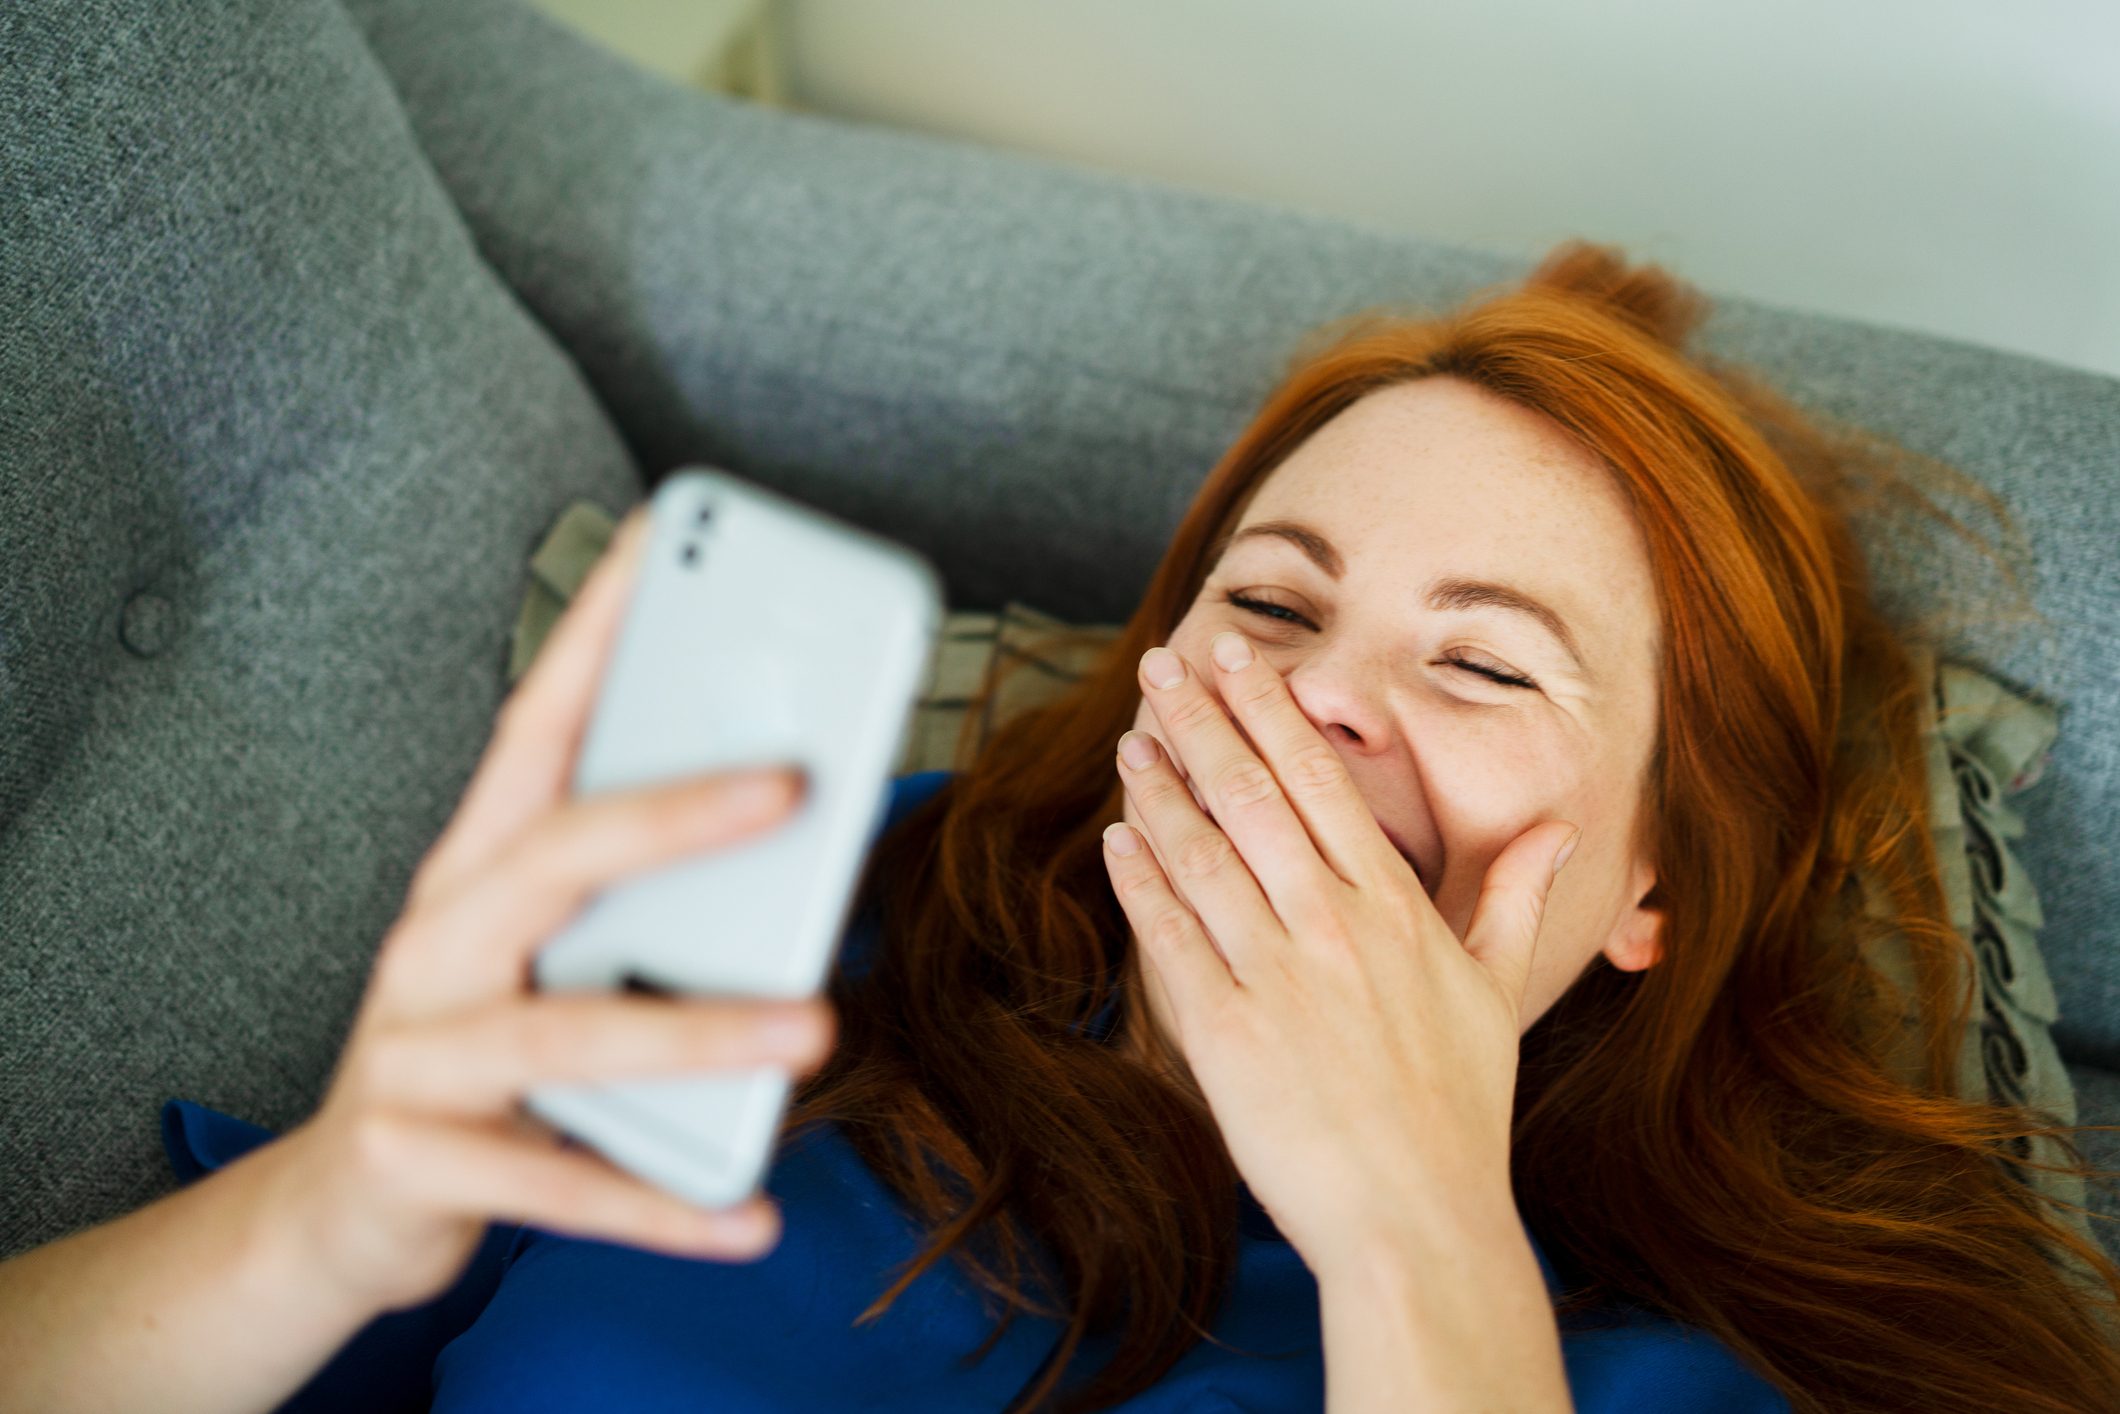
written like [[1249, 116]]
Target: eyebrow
[[1451, 592]]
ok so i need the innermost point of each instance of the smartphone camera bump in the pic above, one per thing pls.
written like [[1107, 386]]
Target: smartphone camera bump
[[634, 982], [702, 519]]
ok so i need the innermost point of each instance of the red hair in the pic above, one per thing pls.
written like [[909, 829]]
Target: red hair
[[1720, 1137]]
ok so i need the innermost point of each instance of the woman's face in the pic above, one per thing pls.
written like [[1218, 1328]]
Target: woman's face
[[1406, 501]]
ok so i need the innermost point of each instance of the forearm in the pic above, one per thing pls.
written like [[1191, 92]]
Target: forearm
[[1453, 1321], [197, 1301]]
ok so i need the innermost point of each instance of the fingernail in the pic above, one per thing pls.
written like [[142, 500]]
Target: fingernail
[[1137, 749], [1231, 651], [1164, 668], [1565, 850], [1121, 837]]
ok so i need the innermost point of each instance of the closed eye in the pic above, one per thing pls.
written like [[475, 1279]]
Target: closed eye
[[1284, 614]]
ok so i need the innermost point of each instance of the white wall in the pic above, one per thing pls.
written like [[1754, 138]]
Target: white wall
[[1943, 165]]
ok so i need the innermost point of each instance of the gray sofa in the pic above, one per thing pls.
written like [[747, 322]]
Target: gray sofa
[[317, 314]]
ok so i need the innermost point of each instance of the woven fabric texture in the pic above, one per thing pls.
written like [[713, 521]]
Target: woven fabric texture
[[319, 313]]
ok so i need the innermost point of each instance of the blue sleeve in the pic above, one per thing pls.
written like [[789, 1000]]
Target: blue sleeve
[[388, 1365], [1623, 1357], [1664, 1366], [907, 791]]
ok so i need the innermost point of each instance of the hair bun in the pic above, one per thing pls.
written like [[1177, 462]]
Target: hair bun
[[1647, 296]]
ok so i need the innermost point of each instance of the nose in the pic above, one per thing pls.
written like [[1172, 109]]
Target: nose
[[1342, 691]]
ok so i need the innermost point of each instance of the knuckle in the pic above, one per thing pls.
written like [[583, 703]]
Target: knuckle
[[1332, 932], [1262, 691], [1165, 789], [1140, 885], [1401, 892], [1203, 854], [1247, 784], [1195, 710], [1316, 769], [1322, 917], [1310, 912], [1169, 929]]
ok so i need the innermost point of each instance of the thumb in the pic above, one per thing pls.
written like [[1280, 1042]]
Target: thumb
[[1505, 924]]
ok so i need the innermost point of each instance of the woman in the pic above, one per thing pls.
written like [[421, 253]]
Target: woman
[[1474, 930], [1683, 1086]]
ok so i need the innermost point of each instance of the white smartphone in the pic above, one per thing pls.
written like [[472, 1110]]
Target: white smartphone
[[760, 630]]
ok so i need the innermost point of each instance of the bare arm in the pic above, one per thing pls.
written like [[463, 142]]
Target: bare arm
[[199, 1301], [1455, 1319], [230, 1294]]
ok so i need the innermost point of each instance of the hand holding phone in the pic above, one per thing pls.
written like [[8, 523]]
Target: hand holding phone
[[420, 1142], [762, 631]]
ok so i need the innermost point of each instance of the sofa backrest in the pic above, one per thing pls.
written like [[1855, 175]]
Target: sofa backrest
[[1024, 368]]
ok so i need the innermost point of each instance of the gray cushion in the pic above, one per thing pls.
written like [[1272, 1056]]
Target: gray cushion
[[1024, 368], [2098, 1103], [274, 445]]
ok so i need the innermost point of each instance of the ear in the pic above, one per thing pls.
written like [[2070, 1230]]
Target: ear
[[1637, 940]]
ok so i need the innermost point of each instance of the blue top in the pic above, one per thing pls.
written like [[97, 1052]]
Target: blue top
[[540, 1321]]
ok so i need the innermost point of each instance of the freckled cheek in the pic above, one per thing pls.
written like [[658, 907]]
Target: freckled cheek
[[1485, 797], [1488, 794]]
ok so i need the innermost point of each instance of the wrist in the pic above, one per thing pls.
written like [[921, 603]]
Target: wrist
[[287, 1244], [1454, 1315], [309, 1227], [1376, 1241]]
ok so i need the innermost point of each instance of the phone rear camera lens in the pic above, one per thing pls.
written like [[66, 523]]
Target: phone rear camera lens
[[691, 554], [634, 982], [706, 513]]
